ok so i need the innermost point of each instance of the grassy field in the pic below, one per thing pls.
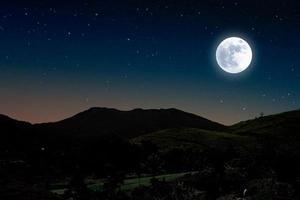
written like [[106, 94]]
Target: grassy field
[[279, 123], [131, 183], [184, 138]]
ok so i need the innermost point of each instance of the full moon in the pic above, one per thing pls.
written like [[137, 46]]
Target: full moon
[[234, 55]]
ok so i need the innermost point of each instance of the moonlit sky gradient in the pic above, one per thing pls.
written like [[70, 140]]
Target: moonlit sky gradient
[[57, 59]]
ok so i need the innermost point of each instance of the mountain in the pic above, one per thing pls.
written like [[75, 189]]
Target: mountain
[[137, 122], [100, 121], [286, 123], [8, 122], [11, 126], [13, 132]]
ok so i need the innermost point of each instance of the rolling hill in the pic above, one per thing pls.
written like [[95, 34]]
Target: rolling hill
[[282, 130], [185, 138], [165, 127], [100, 121], [287, 123], [9, 124], [106, 142], [13, 133]]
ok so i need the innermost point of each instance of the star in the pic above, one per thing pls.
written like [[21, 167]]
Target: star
[[292, 69]]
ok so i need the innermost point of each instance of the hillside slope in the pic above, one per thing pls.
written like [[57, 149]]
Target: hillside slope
[[99, 121], [194, 138], [287, 123]]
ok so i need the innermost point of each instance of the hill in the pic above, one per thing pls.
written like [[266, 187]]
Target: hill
[[276, 135], [287, 123], [13, 133], [9, 124], [114, 149], [185, 138], [100, 121]]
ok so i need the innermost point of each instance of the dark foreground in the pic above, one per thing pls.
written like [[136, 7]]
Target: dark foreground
[[150, 154]]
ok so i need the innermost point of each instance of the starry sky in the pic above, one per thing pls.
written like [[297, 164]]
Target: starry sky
[[58, 58]]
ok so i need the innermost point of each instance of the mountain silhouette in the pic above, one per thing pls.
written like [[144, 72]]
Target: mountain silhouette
[[13, 133], [8, 123], [99, 121], [10, 127]]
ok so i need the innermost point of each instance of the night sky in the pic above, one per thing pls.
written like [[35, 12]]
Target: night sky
[[57, 59]]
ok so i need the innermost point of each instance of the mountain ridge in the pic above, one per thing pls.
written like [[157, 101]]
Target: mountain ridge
[[128, 123], [7, 118]]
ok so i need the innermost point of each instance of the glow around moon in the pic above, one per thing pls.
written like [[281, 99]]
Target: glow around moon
[[234, 55]]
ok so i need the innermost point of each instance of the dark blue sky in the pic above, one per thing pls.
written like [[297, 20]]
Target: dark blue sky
[[59, 58]]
